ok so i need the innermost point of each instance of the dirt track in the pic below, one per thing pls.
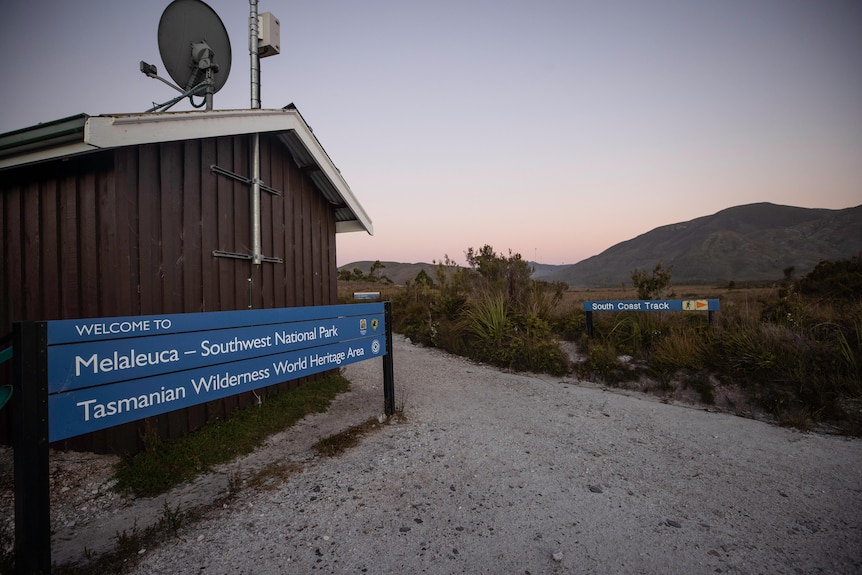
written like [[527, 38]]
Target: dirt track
[[505, 473], [495, 472]]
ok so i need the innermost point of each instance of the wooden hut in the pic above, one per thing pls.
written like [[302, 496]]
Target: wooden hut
[[144, 214]]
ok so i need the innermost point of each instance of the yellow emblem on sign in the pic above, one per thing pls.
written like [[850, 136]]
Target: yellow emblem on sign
[[695, 305]]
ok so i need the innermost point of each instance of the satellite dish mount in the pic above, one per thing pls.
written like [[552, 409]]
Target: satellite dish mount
[[195, 49]]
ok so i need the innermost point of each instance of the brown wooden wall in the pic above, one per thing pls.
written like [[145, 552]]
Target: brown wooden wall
[[131, 232]]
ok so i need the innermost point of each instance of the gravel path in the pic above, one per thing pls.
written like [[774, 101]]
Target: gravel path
[[496, 472]]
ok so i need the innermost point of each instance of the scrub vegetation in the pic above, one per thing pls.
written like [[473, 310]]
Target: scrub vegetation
[[791, 348], [490, 311], [164, 464], [794, 349]]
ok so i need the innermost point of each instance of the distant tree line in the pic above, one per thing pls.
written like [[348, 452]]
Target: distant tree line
[[374, 274]]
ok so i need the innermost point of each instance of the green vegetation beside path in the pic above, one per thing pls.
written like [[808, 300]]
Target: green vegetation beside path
[[164, 464], [791, 349]]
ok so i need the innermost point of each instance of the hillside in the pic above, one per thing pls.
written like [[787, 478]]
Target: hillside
[[743, 243]]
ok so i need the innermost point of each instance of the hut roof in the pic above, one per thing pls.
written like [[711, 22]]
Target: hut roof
[[83, 133]]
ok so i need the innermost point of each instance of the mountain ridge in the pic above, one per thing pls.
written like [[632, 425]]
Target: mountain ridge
[[752, 242]]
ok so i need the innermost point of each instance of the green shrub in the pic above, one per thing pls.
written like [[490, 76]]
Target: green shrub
[[679, 349], [569, 325], [655, 285], [544, 299], [744, 354], [519, 341], [795, 350], [451, 336], [633, 333], [796, 362], [838, 280], [413, 317], [601, 361], [489, 319], [534, 347], [491, 312]]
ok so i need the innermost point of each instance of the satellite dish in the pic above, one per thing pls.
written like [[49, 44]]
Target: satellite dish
[[195, 47]]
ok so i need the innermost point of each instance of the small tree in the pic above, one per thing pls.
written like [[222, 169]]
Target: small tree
[[655, 285], [374, 272], [509, 274], [422, 278], [841, 279]]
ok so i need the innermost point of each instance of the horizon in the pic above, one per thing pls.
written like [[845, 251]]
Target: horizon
[[462, 262], [553, 129]]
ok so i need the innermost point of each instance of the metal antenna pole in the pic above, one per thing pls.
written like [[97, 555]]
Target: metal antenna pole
[[210, 91], [255, 201], [255, 60], [255, 104]]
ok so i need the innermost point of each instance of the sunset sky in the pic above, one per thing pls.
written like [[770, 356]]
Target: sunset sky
[[555, 129]]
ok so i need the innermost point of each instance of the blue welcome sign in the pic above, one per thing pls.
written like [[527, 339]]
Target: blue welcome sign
[[78, 376], [109, 371]]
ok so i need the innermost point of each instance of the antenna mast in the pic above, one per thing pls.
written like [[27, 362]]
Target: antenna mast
[[255, 58]]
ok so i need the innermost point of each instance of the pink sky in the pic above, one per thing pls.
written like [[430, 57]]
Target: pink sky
[[555, 129]]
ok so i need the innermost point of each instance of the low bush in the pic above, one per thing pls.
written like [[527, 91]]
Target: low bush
[[602, 361], [490, 312], [795, 347]]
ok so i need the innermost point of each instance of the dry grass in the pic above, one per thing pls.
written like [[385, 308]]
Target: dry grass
[[341, 442], [272, 475]]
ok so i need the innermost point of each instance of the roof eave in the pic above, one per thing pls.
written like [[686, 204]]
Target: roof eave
[[353, 226], [60, 138], [80, 134]]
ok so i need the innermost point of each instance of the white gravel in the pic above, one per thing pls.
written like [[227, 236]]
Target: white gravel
[[495, 472]]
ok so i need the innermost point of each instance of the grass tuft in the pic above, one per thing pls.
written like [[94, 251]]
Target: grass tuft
[[272, 475], [341, 442]]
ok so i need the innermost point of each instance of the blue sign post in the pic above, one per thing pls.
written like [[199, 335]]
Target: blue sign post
[[86, 375], [710, 305]]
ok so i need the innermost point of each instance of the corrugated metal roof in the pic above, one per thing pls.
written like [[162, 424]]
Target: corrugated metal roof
[[81, 134]]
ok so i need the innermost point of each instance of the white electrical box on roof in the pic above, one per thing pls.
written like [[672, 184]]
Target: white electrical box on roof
[[269, 38]]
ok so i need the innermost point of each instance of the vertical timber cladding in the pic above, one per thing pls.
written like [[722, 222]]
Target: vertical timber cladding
[[131, 231], [63, 238]]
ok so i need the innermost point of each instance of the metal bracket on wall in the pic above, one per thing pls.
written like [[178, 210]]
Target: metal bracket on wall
[[227, 173], [248, 181], [236, 256]]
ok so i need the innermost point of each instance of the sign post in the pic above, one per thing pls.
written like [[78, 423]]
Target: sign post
[[710, 305], [79, 376], [388, 364], [30, 445]]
